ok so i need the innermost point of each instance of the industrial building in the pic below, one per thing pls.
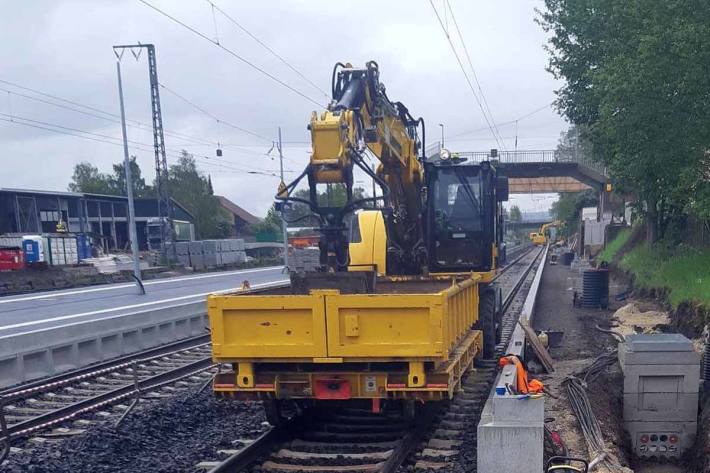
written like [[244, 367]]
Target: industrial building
[[240, 220], [102, 217]]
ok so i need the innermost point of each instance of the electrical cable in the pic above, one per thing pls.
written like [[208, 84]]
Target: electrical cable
[[473, 70], [509, 122], [463, 70], [146, 147], [576, 387], [115, 118], [211, 115], [232, 53], [265, 46]]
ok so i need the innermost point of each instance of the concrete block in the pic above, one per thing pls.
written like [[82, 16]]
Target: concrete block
[[210, 260], [668, 378], [229, 258], [182, 248], [65, 357], [209, 246], [658, 342], [630, 357], [661, 407], [661, 432], [111, 346], [197, 261], [183, 260], [509, 424], [195, 248]]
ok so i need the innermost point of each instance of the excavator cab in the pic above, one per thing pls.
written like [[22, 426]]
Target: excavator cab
[[463, 215]]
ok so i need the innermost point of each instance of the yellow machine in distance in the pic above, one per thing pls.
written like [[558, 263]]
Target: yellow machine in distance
[[544, 234]]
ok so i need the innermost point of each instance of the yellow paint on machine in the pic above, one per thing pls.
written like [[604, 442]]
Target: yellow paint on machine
[[325, 324]]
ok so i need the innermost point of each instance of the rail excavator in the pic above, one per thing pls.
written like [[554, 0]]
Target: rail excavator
[[402, 301], [541, 237], [438, 215]]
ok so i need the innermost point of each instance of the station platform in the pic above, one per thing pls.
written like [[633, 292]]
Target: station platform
[[41, 310]]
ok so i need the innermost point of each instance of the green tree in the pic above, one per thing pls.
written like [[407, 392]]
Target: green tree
[[87, 178], [515, 214], [118, 180], [270, 226], [300, 214], [191, 188], [635, 76], [569, 205]]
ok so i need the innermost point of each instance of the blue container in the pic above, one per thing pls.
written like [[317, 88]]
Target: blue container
[[33, 248], [83, 247]]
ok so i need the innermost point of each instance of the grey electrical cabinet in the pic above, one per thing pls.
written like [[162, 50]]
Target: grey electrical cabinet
[[661, 389]]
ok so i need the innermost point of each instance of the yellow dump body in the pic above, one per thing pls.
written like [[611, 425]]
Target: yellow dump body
[[411, 335]]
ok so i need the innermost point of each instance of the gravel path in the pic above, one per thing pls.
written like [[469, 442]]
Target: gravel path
[[582, 342], [172, 437]]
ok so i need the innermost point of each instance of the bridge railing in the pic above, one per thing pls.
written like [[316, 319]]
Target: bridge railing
[[523, 156]]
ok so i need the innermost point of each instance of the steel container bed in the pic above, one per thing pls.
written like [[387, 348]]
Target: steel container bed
[[411, 337]]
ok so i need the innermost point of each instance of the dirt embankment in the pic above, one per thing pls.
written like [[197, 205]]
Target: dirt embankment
[[580, 345]]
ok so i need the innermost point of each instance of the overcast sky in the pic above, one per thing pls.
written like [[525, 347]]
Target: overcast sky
[[63, 48]]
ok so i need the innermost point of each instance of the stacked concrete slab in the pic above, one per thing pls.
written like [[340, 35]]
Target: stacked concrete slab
[[304, 259], [207, 254], [182, 250], [197, 259], [661, 389]]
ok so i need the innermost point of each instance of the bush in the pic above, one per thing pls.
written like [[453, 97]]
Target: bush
[[682, 270], [614, 246]]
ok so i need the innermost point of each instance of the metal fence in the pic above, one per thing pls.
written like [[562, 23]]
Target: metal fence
[[522, 156]]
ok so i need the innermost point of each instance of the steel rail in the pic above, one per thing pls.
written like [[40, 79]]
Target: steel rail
[[69, 412], [98, 369], [258, 448], [406, 446], [516, 287], [524, 252]]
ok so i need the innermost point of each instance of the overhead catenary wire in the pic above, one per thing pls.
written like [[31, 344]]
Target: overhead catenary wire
[[94, 112], [212, 115], [466, 76], [473, 69], [506, 123], [60, 129], [113, 118], [232, 53], [265, 46]]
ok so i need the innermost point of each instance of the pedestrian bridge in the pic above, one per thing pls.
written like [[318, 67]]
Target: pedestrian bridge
[[541, 171]]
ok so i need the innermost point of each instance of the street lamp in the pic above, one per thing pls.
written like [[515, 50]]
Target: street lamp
[[442, 134]]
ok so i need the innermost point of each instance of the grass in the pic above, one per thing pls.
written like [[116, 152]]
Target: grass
[[614, 246], [684, 271]]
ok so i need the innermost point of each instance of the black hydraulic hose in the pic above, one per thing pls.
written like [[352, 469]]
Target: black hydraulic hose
[[332, 80], [420, 121]]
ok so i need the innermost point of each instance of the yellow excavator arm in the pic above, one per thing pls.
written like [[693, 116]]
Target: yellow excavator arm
[[361, 117]]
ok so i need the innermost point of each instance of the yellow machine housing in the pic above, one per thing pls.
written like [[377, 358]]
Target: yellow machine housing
[[412, 338]]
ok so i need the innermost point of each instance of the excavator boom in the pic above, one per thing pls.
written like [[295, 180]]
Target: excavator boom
[[361, 117]]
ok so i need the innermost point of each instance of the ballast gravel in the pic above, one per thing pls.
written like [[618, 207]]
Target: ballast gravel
[[170, 435]]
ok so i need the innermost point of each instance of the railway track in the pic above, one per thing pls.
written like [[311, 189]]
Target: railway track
[[37, 407], [357, 440]]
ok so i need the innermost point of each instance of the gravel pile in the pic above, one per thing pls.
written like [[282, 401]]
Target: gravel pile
[[172, 437]]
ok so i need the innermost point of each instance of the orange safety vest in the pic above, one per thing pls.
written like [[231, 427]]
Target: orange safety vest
[[524, 386]]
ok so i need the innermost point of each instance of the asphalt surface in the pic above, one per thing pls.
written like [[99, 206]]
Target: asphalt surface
[[29, 312]]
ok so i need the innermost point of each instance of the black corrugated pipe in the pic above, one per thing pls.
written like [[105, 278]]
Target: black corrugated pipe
[[706, 361]]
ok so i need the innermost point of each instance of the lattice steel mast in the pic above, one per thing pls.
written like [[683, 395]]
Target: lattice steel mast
[[165, 210]]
